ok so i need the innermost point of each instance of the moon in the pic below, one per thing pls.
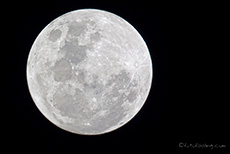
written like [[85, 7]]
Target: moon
[[89, 72]]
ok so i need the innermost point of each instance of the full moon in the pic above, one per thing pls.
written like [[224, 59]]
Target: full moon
[[89, 72]]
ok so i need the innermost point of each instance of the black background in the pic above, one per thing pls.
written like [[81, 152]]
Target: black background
[[196, 113]]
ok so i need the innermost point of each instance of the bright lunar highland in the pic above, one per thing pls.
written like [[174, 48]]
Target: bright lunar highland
[[89, 72]]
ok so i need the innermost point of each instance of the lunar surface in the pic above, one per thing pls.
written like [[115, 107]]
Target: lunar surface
[[89, 72]]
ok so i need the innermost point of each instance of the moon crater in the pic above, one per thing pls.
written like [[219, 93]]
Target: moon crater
[[54, 35]]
